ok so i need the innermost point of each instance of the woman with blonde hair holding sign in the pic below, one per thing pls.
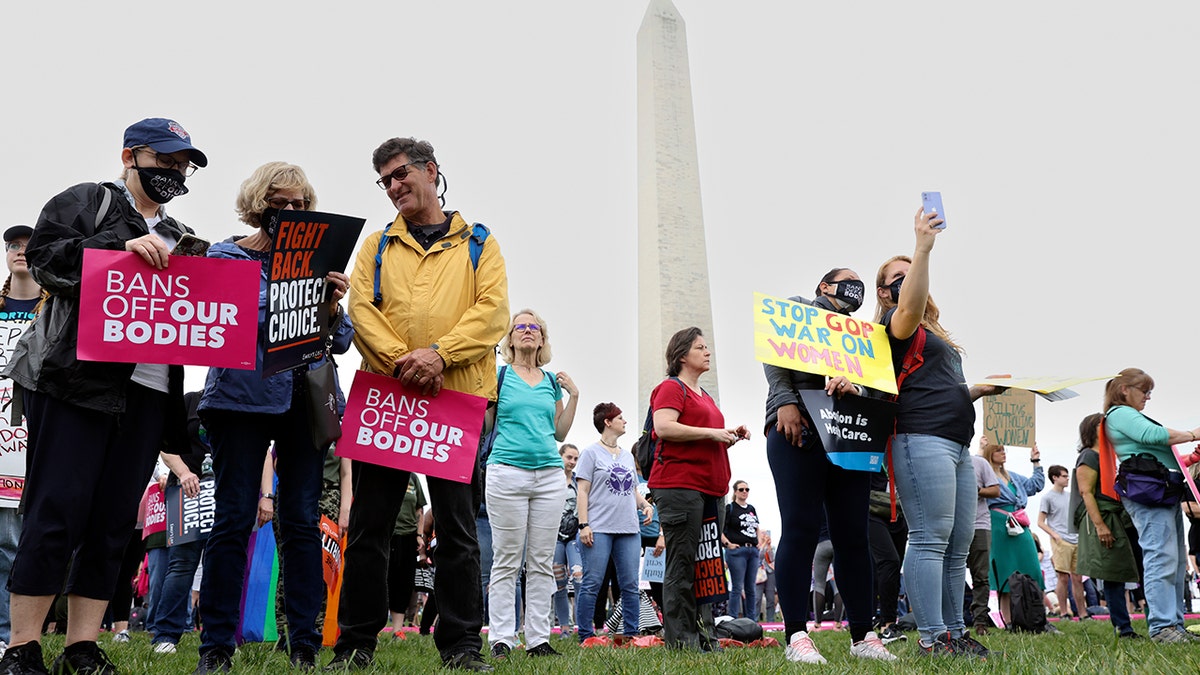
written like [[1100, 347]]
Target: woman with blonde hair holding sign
[[1012, 552], [807, 484], [931, 454], [244, 413]]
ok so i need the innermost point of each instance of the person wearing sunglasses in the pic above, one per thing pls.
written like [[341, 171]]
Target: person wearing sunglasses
[[741, 538], [95, 428], [244, 413], [430, 313]]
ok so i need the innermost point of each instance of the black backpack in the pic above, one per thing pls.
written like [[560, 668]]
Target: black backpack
[[1028, 613], [645, 448]]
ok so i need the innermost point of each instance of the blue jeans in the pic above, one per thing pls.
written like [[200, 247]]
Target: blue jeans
[[1118, 611], [10, 534], [240, 442], [743, 569], [156, 569], [1164, 554], [626, 553], [936, 484], [171, 613], [567, 562]]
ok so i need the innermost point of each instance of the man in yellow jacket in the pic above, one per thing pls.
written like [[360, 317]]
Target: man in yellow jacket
[[429, 303]]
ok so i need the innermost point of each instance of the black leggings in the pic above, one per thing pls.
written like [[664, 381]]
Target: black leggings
[[805, 483]]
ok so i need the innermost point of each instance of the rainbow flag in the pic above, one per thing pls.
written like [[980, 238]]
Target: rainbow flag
[[258, 589]]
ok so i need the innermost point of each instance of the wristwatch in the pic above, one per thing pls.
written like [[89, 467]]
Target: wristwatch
[[583, 525]]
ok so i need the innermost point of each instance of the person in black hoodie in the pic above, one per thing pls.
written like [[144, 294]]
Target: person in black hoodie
[[95, 428]]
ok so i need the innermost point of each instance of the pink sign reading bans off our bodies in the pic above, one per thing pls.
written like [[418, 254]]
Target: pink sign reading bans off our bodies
[[392, 425], [197, 312]]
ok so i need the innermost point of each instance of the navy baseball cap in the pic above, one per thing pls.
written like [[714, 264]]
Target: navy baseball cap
[[16, 232], [163, 135]]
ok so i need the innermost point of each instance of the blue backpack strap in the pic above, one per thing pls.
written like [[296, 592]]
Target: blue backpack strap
[[383, 242], [479, 234]]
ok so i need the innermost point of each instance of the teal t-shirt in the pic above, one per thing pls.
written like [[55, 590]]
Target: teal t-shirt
[[1131, 432], [525, 423]]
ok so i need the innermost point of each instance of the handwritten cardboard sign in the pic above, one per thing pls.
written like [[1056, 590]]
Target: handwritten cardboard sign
[[392, 425], [853, 429], [13, 439], [802, 337], [1009, 419], [197, 312], [307, 245]]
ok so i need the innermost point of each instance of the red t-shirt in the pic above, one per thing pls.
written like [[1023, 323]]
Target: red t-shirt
[[692, 465]]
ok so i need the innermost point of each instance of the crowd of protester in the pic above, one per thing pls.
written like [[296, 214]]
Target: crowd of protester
[[539, 523]]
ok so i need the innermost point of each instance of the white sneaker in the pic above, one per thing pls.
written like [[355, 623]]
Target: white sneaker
[[871, 647], [3, 648], [123, 636], [801, 649], [164, 647]]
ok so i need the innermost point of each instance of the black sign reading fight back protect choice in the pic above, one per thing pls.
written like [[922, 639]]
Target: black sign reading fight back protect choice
[[307, 245]]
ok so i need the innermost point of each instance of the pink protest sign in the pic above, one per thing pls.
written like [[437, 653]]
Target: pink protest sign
[[392, 425], [197, 312], [156, 511]]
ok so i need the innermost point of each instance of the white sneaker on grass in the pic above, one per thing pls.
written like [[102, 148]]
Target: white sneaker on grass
[[801, 649], [871, 647], [164, 648], [122, 636]]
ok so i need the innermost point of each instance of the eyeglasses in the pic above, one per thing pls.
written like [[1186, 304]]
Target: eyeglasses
[[743, 489], [14, 246], [283, 202], [400, 173], [527, 327], [166, 161], [1145, 392]]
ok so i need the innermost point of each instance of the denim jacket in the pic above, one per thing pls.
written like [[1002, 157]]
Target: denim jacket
[[248, 390], [1024, 487]]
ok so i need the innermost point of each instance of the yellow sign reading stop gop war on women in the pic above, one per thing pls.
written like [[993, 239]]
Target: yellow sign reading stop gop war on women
[[794, 335]]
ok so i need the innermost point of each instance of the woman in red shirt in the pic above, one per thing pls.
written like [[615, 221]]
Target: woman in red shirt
[[689, 476]]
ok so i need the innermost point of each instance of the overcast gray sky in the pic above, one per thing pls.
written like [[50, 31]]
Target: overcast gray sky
[[1062, 137]]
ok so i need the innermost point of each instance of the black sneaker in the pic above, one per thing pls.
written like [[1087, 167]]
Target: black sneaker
[[351, 659], [1125, 636], [304, 657], [892, 633], [970, 647], [500, 651], [215, 660], [941, 646], [543, 649], [470, 661], [24, 660], [83, 658]]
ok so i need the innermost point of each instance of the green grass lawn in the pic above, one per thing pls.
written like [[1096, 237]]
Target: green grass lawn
[[1084, 647]]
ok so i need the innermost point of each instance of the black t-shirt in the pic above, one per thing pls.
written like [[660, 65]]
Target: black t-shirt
[[934, 398], [18, 310], [741, 524]]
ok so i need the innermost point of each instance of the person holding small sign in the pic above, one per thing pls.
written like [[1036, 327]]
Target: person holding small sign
[[525, 491], [808, 484], [244, 413], [95, 427], [1011, 552], [689, 476], [609, 505], [934, 475]]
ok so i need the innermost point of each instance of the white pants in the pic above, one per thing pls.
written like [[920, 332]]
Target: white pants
[[524, 508]]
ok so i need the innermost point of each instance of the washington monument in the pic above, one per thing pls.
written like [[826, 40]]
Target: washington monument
[[673, 288]]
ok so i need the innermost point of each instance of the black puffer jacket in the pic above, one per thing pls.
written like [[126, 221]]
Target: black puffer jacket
[[45, 359]]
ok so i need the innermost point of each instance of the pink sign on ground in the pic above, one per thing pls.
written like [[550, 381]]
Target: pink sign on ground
[[392, 425], [197, 312]]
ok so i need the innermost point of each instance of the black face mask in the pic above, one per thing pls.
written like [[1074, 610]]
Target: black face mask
[[848, 294], [894, 287], [161, 185], [269, 220]]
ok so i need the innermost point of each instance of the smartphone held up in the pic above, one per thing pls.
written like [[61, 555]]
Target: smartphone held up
[[931, 202]]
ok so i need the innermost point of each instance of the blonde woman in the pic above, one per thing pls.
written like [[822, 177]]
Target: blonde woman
[[1010, 553], [525, 490]]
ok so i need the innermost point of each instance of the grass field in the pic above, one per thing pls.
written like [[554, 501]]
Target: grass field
[[1084, 647]]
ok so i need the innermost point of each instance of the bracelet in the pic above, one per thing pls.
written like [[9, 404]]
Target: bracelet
[[583, 525], [269, 495]]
